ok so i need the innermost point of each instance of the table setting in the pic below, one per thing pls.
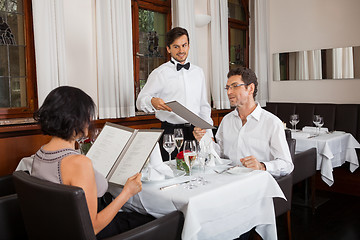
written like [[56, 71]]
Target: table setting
[[334, 148], [218, 200]]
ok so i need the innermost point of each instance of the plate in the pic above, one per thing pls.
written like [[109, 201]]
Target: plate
[[239, 170], [177, 173]]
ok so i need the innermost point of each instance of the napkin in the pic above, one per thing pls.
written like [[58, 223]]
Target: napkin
[[207, 144], [314, 130], [156, 168], [298, 135]]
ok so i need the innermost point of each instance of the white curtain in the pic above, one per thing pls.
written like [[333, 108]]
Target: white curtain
[[115, 65], [276, 63], [49, 37], [302, 65], [308, 65], [315, 68], [343, 63], [259, 45], [219, 53], [183, 16]]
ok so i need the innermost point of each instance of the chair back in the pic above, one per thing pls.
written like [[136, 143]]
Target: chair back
[[51, 210], [11, 221], [281, 206], [6, 186], [304, 165]]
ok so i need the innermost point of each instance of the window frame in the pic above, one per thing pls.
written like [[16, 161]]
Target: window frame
[[31, 85], [152, 5], [241, 25]]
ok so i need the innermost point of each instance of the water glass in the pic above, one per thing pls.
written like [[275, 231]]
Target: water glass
[[190, 157], [169, 143]]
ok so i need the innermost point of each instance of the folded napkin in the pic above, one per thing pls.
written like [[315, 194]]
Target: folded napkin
[[207, 144], [156, 169], [315, 130], [298, 135]]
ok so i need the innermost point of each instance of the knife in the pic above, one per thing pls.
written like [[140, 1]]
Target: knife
[[174, 185]]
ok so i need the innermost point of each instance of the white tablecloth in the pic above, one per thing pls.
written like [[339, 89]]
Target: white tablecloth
[[332, 151], [226, 207]]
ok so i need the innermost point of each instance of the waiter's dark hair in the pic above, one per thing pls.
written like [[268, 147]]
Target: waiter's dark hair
[[66, 113], [175, 33], [247, 75]]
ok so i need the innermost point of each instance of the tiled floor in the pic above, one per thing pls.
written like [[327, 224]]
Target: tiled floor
[[336, 219]]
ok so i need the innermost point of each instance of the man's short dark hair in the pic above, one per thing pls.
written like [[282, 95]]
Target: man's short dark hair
[[66, 113], [247, 75], [175, 33]]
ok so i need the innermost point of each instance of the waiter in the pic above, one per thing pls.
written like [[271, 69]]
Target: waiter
[[176, 80]]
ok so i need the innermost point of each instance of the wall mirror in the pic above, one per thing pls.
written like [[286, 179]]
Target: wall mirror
[[334, 63]]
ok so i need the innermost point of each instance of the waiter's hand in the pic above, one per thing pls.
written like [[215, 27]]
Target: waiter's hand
[[159, 104], [198, 133], [253, 163]]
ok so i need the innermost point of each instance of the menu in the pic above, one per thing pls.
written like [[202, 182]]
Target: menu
[[188, 115], [120, 152]]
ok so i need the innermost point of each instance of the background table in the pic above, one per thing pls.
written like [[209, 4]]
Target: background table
[[226, 207], [333, 150]]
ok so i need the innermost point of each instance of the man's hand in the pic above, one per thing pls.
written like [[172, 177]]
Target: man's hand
[[159, 104], [253, 163], [198, 133]]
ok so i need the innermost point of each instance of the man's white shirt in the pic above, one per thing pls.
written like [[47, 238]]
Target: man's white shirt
[[185, 86], [262, 136]]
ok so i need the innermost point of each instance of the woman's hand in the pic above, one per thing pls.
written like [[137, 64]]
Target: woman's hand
[[133, 185]]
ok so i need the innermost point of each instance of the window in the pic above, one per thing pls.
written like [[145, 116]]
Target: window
[[238, 33], [17, 60], [151, 21]]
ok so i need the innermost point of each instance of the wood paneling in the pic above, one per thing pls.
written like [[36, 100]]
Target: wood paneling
[[18, 141], [13, 149]]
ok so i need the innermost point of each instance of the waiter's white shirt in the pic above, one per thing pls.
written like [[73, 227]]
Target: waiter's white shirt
[[262, 136], [185, 86]]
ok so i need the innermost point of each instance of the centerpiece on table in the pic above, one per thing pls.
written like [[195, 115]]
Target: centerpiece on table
[[180, 162], [85, 145]]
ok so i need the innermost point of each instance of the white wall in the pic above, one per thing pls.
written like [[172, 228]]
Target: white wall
[[294, 25], [314, 24]]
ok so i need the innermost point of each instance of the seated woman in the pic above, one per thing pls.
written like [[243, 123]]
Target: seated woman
[[66, 115]]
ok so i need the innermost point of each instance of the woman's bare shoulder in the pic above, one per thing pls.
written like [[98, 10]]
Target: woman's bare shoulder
[[76, 167]]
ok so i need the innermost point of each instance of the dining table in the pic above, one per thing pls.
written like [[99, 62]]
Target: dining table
[[333, 150], [223, 205]]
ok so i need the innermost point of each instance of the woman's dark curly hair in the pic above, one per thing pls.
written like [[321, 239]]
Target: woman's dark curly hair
[[66, 113]]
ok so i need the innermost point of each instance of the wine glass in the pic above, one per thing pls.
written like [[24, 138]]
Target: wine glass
[[179, 138], [190, 157], [169, 143], [294, 119], [316, 121], [320, 123]]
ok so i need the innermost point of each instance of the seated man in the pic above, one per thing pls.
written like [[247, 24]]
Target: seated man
[[251, 135]]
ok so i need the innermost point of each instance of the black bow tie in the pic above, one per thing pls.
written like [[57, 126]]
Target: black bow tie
[[180, 66]]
